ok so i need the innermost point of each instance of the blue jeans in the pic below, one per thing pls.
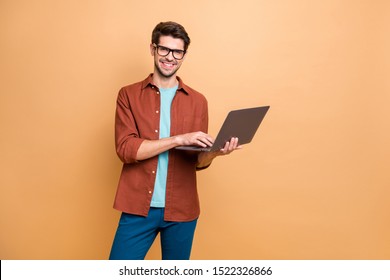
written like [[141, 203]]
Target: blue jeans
[[135, 236]]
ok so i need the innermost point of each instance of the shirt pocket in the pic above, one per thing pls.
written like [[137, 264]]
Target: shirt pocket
[[191, 124]]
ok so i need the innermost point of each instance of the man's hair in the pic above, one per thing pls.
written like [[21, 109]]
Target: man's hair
[[170, 28]]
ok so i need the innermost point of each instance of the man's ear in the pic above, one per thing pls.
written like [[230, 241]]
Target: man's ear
[[185, 55], [152, 48]]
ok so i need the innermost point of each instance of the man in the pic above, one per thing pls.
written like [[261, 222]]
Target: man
[[157, 190]]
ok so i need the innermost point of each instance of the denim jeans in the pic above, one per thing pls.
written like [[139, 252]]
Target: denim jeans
[[135, 236]]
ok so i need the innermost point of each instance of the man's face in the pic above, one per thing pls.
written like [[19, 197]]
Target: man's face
[[168, 65]]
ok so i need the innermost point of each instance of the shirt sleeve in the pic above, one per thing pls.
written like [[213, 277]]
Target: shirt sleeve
[[127, 140], [205, 125]]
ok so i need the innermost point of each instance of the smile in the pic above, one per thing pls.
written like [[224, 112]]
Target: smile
[[168, 65]]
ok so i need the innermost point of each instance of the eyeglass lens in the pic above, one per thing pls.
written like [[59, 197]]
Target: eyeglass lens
[[163, 51]]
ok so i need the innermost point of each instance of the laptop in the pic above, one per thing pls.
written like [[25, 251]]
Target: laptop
[[241, 123]]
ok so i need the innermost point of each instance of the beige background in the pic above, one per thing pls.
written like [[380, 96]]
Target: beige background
[[314, 183]]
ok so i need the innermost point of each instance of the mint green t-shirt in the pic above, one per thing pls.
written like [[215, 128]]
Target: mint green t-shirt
[[166, 97]]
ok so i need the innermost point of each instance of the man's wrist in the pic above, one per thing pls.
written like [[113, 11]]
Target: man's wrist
[[205, 159], [177, 141]]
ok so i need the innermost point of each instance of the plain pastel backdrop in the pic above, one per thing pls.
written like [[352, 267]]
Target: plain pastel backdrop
[[313, 184]]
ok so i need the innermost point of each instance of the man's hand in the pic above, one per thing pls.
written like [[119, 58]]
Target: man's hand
[[205, 158], [229, 147], [198, 138]]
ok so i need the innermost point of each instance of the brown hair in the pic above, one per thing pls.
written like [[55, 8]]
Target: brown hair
[[170, 28]]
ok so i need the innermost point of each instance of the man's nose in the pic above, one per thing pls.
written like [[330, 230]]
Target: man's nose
[[170, 56]]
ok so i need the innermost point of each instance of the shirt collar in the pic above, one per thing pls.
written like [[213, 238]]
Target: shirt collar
[[149, 82]]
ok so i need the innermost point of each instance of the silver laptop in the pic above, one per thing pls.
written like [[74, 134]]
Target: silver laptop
[[242, 124]]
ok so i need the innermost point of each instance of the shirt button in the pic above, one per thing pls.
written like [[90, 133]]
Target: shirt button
[[157, 112], [156, 131], [158, 92], [150, 191], [153, 172]]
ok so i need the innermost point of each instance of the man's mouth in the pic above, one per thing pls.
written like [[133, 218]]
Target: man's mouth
[[167, 65]]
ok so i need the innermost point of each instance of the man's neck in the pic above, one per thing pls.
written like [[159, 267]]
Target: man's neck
[[163, 82]]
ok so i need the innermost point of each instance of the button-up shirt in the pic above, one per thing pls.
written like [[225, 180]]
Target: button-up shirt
[[137, 119]]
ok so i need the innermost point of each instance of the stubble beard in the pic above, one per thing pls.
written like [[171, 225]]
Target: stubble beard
[[161, 73]]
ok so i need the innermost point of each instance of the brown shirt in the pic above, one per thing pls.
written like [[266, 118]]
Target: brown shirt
[[137, 118]]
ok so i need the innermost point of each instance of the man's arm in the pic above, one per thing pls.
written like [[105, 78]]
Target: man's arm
[[151, 148]]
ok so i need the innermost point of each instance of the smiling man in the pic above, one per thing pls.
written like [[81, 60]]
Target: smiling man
[[157, 190]]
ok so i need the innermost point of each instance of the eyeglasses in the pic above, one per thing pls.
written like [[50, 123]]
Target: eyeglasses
[[164, 51]]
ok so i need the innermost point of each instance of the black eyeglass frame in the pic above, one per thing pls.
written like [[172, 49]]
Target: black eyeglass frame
[[170, 51]]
